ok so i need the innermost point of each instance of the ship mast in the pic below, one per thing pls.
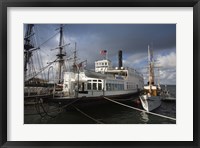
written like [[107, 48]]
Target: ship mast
[[75, 59], [151, 68], [28, 46], [60, 55]]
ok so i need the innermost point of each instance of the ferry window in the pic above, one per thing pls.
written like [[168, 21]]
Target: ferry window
[[121, 86], [94, 86], [99, 86], [94, 80], [89, 80], [115, 86], [108, 86], [89, 86], [112, 86], [102, 63], [99, 80], [105, 63]]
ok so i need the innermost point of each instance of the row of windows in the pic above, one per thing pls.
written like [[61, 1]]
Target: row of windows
[[110, 86], [94, 86], [131, 85], [101, 64], [94, 80]]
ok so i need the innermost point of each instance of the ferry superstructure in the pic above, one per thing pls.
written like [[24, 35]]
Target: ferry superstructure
[[118, 82]]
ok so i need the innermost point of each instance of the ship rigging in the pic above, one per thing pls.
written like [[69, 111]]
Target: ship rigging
[[79, 82]]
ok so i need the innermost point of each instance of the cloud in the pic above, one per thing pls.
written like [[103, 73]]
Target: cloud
[[168, 68], [167, 61], [137, 58]]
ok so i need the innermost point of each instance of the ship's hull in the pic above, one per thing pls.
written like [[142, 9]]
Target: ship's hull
[[150, 103], [94, 99], [68, 103], [85, 99]]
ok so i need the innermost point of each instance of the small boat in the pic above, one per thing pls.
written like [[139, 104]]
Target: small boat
[[150, 102], [165, 95], [150, 99]]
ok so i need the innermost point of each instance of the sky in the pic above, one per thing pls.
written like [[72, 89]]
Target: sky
[[132, 39]]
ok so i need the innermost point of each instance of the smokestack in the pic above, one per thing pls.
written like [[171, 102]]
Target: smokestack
[[120, 59]]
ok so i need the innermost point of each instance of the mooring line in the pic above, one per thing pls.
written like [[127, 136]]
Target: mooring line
[[69, 103], [139, 109], [46, 111], [39, 104], [87, 115]]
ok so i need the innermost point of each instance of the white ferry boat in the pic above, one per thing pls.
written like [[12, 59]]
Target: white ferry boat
[[119, 82]]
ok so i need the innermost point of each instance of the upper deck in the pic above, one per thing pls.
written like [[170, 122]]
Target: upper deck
[[105, 67]]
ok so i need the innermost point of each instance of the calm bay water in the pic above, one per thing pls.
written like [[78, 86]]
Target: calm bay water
[[108, 113]]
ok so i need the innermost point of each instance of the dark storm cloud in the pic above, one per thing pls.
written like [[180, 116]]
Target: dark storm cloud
[[133, 39], [129, 37]]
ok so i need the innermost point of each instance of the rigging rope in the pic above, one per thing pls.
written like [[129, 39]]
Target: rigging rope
[[140, 109], [48, 39], [32, 76]]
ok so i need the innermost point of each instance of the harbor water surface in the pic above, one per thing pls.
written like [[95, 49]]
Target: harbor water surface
[[109, 113]]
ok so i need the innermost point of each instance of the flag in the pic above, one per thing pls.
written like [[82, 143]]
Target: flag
[[103, 52]]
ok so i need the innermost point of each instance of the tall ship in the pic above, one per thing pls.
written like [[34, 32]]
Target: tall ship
[[76, 81], [151, 98]]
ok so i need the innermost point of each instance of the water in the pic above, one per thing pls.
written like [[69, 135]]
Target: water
[[108, 113]]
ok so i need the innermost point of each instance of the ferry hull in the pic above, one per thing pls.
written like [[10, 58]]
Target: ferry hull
[[93, 100], [83, 99]]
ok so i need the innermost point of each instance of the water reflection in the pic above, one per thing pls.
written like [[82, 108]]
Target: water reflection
[[144, 117]]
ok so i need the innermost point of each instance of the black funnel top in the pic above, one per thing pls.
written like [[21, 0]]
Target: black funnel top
[[120, 59]]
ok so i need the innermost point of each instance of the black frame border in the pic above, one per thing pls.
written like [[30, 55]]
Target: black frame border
[[4, 4]]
